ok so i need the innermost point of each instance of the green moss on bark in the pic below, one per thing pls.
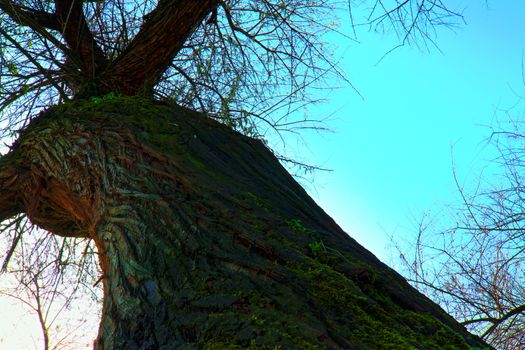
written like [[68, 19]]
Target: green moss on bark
[[207, 242]]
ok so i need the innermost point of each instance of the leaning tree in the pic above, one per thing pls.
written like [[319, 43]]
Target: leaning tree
[[138, 127]]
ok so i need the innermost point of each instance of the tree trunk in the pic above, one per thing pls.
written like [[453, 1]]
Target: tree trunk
[[205, 240]]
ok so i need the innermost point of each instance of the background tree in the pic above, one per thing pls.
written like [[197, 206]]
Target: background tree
[[51, 275], [474, 267], [156, 186]]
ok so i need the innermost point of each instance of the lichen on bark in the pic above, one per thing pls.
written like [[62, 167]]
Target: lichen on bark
[[205, 241]]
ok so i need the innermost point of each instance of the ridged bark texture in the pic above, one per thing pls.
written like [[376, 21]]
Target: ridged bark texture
[[205, 241]]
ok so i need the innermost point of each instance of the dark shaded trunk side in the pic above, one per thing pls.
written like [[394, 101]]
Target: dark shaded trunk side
[[205, 240]]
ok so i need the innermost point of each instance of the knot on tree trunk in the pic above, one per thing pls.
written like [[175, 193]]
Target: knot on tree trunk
[[57, 185]]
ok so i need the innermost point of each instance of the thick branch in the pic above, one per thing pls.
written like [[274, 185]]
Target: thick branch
[[162, 36], [39, 21], [29, 17], [79, 38], [498, 321]]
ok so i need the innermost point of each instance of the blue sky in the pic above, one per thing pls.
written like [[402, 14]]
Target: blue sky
[[392, 151]]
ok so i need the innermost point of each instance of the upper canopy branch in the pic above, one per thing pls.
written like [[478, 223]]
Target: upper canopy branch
[[160, 38], [29, 17], [143, 60], [79, 38], [81, 48]]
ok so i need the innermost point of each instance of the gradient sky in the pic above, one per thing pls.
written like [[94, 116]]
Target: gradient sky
[[392, 151]]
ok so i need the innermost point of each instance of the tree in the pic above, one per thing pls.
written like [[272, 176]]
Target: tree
[[472, 263], [55, 285], [127, 117]]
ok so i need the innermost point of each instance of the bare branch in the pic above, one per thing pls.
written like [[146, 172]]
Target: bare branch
[[74, 29], [164, 32], [29, 17]]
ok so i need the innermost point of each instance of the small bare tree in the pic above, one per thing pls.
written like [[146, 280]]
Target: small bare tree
[[474, 268], [51, 275]]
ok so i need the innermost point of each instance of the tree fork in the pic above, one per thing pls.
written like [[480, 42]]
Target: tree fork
[[163, 34], [142, 62], [204, 239]]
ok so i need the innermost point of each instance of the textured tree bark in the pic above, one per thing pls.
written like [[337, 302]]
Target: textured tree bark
[[88, 55], [205, 241], [148, 55]]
